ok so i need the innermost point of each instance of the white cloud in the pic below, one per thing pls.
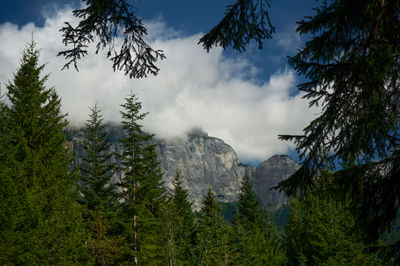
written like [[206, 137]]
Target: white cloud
[[193, 89], [288, 39]]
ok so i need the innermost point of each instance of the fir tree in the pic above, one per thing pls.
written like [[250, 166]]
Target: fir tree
[[212, 233], [351, 66], [11, 207], [141, 193], [98, 191], [45, 228], [320, 231], [255, 239], [105, 20], [183, 224], [96, 169]]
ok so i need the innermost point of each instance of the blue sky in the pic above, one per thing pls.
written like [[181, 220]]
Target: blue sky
[[246, 99], [188, 17]]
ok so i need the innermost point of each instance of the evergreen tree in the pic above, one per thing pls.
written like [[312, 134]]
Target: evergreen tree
[[96, 169], [212, 233], [98, 191], [320, 231], [11, 207], [44, 228], [255, 238], [183, 224], [243, 21], [141, 193], [352, 69]]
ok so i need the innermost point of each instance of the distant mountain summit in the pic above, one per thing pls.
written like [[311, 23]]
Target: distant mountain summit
[[269, 174], [207, 162], [204, 162]]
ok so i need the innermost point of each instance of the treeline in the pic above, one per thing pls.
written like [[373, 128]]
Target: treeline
[[52, 215]]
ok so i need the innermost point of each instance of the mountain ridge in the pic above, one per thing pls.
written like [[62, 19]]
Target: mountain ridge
[[206, 162]]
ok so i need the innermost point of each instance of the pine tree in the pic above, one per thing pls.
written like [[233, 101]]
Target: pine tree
[[96, 169], [105, 20], [98, 191], [351, 65], [45, 228], [212, 233], [183, 224], [255, 239], [141, 193], [11, 207], [320, 231]]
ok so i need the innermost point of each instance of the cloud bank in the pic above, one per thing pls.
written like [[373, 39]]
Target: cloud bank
[[194, 89]]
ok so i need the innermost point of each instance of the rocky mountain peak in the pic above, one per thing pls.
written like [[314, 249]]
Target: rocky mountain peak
[[269, 174], [204, 162], [207, 162]]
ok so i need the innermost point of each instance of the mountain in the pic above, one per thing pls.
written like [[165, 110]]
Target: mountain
[[268, 174], [205, 162]]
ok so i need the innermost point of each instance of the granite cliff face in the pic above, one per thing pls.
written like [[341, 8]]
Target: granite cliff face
[[204, 162], [207, 162], [268, 174]]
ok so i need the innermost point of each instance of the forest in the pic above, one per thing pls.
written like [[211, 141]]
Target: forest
[[53, 213], [343, 201]]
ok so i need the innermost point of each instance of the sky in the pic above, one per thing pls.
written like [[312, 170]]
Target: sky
[[245, 99]]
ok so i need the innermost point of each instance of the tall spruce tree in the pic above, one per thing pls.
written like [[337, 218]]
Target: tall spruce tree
[[183, 223], [141, 194], [351, 63], [254, 239], [320, 231], [212, 233], [44, 228], [11, 207], [96, 168], [96, 172]]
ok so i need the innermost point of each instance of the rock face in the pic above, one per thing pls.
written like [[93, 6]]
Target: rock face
[[207, 162], [268, 174]]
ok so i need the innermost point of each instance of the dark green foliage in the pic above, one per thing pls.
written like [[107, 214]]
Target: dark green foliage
[[140, 191], [249, 209], [182, 239], [394, 235], [280, 216], [244, 21], [213, 234], [228, 210], [320, 231], [96, 168], [103, 21], [255, 239], [352, 64], [113, 132], [43, 226], [392, 242], [96, 173]]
